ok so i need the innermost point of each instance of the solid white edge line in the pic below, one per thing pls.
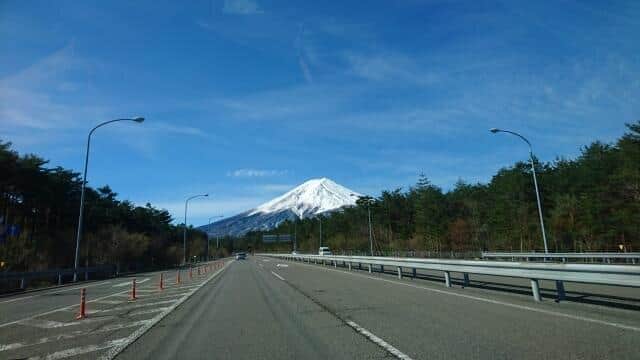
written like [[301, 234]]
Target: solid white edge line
[[383, 344], [114, 351], [490, 301], [278, 276]]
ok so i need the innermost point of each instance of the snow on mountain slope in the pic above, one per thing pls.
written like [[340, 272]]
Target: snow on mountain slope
[[309, 199]]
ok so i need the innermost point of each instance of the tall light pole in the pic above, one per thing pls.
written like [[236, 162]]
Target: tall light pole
[[184, 231], [367, 200], [84, 183], [213, 217], [535, 181]]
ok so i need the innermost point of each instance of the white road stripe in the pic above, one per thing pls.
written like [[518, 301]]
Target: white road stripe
[[57, 290], [50, 324], [79, 350], [61, 309], [490, 301], [74, 334], [278, 276], [138, 282], [132, 306], [150, 311], [282, 265], [383, 344], [110, 302]]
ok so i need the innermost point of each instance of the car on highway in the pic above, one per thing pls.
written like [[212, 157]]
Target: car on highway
[[241, 256], [324, 250]]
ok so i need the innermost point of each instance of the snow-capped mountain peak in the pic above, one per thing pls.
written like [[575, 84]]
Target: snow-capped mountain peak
[[313, 197]]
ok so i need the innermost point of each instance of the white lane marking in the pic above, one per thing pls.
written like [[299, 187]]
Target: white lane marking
[[16, 299], [383, 344], [57, 291], [114, 351], [110, 302], [62, 309], [138, 282], [50, 324], [74, 334], [278, 276], [132, 306], [266, 260], [490, 301], [79, 350], [150, 311], [282, 265]]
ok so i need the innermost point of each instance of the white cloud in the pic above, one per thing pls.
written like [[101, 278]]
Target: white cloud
[[241, 7], [256, 173]]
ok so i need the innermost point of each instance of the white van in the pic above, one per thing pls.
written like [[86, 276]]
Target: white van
[[324, 250]]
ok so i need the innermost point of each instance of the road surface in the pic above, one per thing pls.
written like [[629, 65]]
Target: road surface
[[263, 308]]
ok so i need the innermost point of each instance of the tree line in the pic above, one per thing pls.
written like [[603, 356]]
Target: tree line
[[39, 213], [590, 203]]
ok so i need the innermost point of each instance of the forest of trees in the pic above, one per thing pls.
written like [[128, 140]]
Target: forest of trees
[[591, 203], [39, 215]]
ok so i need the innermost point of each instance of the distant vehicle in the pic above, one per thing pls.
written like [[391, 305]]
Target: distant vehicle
[[294, 252], [324, 250], [241, 256]]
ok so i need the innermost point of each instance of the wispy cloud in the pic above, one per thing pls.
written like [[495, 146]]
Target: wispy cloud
[[256, 173], [241, 7]]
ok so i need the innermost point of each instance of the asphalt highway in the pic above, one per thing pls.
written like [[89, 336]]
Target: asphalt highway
[[264, 308]]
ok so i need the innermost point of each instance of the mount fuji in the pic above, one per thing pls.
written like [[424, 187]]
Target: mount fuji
[[313, 197]]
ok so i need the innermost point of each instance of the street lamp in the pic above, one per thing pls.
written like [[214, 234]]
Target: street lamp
[[184, 231], [535, 181], [84, 182], [209, 228], [367, 200]]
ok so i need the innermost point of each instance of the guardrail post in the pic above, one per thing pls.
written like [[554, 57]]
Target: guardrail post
[[335, 264], [359, 266], [59, 279], [535, 289], [399, 272], [369, 268], [466, 279], [447, 279], [23, 283], [560, 290], [382, 268], [349, 265]]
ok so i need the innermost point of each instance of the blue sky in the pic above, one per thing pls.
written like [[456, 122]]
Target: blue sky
[[245, 99]]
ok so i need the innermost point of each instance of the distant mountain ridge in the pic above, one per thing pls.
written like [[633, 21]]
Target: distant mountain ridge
[[313, 197]]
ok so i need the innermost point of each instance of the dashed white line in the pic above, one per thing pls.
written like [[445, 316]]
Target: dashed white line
[[383, 344], [278, 276]]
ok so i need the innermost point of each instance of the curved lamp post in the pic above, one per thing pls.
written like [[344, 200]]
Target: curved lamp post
[[184, 231], [535, 181], [84, 182]]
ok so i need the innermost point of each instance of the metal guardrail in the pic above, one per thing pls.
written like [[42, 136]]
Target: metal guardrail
[[605, 257], [619, 275], [54, 274]]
